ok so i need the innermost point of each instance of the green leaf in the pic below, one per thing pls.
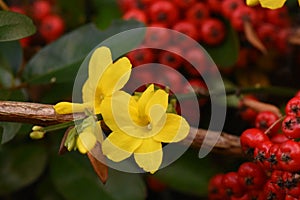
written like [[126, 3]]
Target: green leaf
[[6, 78], [188, 174], [226, 54], [61, 60], [14, 95], [117, 185], [14, 26], [75, 179], [20, 165], [11, 55], [105, 12], [10, 129], [74, 13]]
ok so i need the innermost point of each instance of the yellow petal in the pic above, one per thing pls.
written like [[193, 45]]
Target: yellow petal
[[149, 155], [299, 2], [100, 60], [272, 4], [115, 76], [67, 107], [88, 92], [175, 129], [252, 2], [144, 99], [86, 140], [119, 112], [81, 148], [156, 106], [119, 146]]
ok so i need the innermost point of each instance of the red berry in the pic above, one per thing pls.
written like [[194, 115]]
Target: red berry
[[215, 5], [141, 56], [250, 139], [215, 187], [291, 127], [265, 32], [288, 156], [262, 155], [241, 14], [293, 187], [271, 191], [40, 9], [157, 36], [140, 77], [232, 185], [184, 4], [213, 31], [164, 12], [265, 119], [171, 57], [278, 138], [197, 13], [126, 5], [52, 27], [135, 14], [188, 29], [228, 6], [277, 177], [166, 76], [289, 197], [282, 40], [279, 17], [251, 176], [293, 107], [197, 62]]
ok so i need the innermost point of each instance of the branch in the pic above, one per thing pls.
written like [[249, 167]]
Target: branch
[[44, 115], [226, 143], [33, 113]]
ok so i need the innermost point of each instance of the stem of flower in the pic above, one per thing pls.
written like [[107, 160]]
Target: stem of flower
[[66, 124]]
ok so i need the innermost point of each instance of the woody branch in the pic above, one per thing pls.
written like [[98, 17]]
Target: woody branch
[[44, 115]]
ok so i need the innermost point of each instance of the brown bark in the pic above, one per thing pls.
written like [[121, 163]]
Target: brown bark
[[44, 114], [33, 113]]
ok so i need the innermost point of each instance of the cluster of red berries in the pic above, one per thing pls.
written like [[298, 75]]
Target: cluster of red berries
[[50, 25], [275, 150], [191, 17], [265, 22]]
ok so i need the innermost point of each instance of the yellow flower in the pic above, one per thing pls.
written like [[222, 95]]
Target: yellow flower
[[272, 4], [140, 126], [104, 78]]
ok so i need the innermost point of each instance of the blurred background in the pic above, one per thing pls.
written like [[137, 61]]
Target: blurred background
[[252, 47]]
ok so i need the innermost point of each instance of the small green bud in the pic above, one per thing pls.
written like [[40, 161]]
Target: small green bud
[[71, 144], [37, 135], [37, 128]]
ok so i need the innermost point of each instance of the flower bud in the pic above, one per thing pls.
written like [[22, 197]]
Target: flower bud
[[37, 135]]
